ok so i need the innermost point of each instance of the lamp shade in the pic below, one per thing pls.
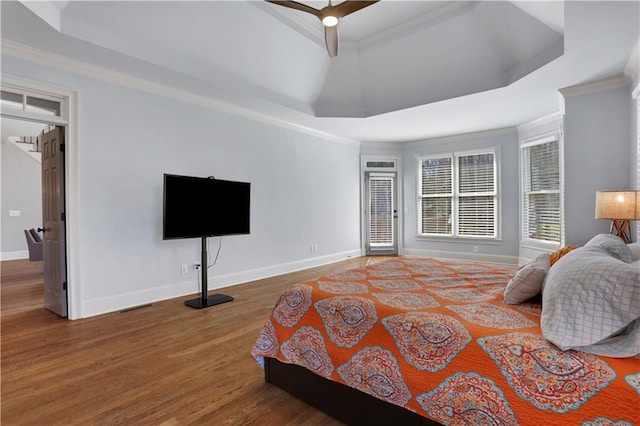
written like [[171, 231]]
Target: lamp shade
[[622, 205]]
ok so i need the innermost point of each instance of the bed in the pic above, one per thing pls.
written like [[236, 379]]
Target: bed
[[431, 341]]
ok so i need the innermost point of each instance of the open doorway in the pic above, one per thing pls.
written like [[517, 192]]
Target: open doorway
[[55, 109], [22, 254], [33, 243]]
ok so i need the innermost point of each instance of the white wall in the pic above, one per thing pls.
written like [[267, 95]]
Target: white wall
[[305, 190], [21, 190], [597, 149]]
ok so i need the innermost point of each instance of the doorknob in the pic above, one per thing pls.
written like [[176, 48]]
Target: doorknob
[[41, 230]]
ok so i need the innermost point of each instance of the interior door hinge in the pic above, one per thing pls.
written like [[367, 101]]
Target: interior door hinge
[[62, 147], [64, 285], [63, 216]]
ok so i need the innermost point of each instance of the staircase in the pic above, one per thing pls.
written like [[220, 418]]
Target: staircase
[[30, 145]]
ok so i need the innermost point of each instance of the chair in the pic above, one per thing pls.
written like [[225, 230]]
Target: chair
[[34, 243]]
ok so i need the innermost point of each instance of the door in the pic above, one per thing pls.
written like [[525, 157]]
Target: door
[[53, 218], [381, 214]]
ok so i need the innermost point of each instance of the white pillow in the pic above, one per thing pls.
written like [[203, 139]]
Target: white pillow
[[613, 245], [527, 282], [635, 250], [590, 297]]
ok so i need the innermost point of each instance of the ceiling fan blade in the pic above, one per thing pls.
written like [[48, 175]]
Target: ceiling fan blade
[[331, 38], [297, 6], [345, 8]]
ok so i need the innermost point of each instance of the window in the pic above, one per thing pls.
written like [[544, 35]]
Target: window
[[540, 168], [458, 195], [36, 104]]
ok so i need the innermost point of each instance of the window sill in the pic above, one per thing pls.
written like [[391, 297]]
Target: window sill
[[540, 245], [460, 240]]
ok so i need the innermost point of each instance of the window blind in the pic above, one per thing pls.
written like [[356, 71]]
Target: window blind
[[541, 191], [381, 210], [476, 195], [458, 195], [436, 197]]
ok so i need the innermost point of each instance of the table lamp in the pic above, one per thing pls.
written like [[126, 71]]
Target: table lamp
[[620, 207]]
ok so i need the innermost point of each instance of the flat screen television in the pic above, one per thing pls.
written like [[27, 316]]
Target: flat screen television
[[195, 207]]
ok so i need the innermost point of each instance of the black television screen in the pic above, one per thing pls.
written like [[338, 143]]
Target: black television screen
[[204, 207]]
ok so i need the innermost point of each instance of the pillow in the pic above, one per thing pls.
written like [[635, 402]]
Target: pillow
[[613, 245], [527, 282], [635, 250], [556, 255], [591, 302]]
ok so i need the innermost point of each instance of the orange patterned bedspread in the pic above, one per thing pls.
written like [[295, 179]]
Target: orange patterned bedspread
[[434, 336]]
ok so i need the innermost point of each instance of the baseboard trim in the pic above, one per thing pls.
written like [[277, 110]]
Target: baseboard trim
[[123, 301], [476, 257], [14, 255]]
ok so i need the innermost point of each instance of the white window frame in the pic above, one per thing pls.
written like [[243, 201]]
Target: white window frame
[[525, 240], [454, 235]]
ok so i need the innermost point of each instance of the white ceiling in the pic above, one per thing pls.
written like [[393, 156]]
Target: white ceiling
[[406, 70]]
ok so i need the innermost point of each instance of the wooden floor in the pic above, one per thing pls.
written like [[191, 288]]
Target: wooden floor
[[162, 365]]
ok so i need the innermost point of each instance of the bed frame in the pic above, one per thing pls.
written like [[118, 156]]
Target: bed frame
[[346, 404]]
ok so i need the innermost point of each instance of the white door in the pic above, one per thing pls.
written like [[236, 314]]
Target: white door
[[381, 214]]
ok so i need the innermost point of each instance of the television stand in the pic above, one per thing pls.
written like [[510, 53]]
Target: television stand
[[205, 301]]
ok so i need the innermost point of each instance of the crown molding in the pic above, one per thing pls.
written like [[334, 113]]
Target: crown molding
[[611, 83], [442, 13], [31, 54], [530, 125], [462, 137], [441, 139]]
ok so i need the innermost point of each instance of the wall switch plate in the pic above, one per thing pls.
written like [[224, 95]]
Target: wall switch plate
[[184, 268], [14, 213]]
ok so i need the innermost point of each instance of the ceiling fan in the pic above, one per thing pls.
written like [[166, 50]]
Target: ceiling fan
[[329, 16]]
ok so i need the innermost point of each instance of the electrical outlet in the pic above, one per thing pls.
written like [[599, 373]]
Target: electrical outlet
[[184, 268]]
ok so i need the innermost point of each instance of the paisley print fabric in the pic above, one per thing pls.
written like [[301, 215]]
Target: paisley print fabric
[[492, 316], [306, 348], [395, 285], [342, 287], [467, 399], [547, 377], [428, 341], [292, 305], [389, 273], [434, 336], [634, 381], [348, 275], [462, 294], [468, 267], [388, 265], [444, 282], [529, 308], [603, 421], [426, 270], [376, 372], [267, 343], [408, 301], [491, 288], [347, 318]]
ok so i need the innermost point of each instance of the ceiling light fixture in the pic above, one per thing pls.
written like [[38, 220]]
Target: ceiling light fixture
[[330, 21], [329, 16]]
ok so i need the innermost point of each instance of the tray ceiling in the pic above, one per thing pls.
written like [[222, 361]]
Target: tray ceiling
[[417, 66]]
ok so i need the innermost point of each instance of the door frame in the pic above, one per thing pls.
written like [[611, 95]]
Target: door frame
[[69, 120], [364, 169]]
